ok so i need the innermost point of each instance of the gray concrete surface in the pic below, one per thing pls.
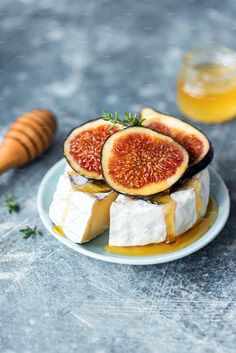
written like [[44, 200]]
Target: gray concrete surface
[[78, 58]]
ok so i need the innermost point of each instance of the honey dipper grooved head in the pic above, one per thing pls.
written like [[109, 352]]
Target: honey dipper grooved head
[[28, 137]]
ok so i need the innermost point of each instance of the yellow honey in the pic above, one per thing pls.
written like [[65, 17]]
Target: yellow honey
[[206, 89]]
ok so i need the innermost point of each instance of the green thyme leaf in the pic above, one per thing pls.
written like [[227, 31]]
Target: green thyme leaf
[[11, 205], [128, 120], [28, 232]]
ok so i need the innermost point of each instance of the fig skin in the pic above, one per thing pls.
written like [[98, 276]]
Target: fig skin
[[91, 176], [65, 139], [196, 167], [145, 195]]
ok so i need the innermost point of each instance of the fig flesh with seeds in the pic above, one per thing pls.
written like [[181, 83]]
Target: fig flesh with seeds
[[194, 141], [138, 161], [83, 145]]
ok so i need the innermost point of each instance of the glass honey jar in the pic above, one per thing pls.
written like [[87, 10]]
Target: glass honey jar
[[206, 88]]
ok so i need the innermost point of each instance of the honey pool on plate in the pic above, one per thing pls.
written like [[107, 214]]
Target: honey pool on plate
[[181, 242]]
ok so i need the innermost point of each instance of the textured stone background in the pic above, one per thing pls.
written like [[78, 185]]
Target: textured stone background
[[77, 58]]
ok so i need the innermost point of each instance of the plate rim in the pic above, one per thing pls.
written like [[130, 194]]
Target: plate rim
[[136, 260]]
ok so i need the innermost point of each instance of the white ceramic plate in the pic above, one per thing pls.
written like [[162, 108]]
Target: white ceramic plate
[[95, 248]]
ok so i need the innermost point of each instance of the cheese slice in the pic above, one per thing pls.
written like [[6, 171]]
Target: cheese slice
[[137, 222], [80, 216]]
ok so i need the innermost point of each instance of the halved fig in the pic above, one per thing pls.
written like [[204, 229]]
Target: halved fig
[[194, 141], [138, 161], [83, 145]]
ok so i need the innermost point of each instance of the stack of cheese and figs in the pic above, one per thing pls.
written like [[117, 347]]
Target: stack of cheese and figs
[[145, 178]]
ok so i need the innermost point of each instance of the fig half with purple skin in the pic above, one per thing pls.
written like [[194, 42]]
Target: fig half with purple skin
[[138, 161], [83, 146], [194, 141]]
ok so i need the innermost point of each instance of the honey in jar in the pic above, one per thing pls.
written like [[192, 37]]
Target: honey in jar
[[206, 89]]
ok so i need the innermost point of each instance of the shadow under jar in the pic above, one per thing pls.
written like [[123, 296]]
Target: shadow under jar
[[206, 88]]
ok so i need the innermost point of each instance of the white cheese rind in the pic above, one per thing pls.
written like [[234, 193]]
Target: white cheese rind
[[135, 222], [185, 210], [133, 225], [71, 210], [59, 202]]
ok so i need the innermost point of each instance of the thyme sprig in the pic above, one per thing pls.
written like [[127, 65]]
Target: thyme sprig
[[128, 120], [11, 205], [28, 232]]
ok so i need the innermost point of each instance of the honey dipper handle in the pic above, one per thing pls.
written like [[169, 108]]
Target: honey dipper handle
[[12, 155], [27, 138], [3, 167]]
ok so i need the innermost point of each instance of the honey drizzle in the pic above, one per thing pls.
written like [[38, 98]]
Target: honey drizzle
[[92, 187], [182, 241], [195, 183], [58, 229], [198, 193], [169, 206]]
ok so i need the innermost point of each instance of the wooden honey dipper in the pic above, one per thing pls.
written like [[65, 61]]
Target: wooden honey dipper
[[28, 137]]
